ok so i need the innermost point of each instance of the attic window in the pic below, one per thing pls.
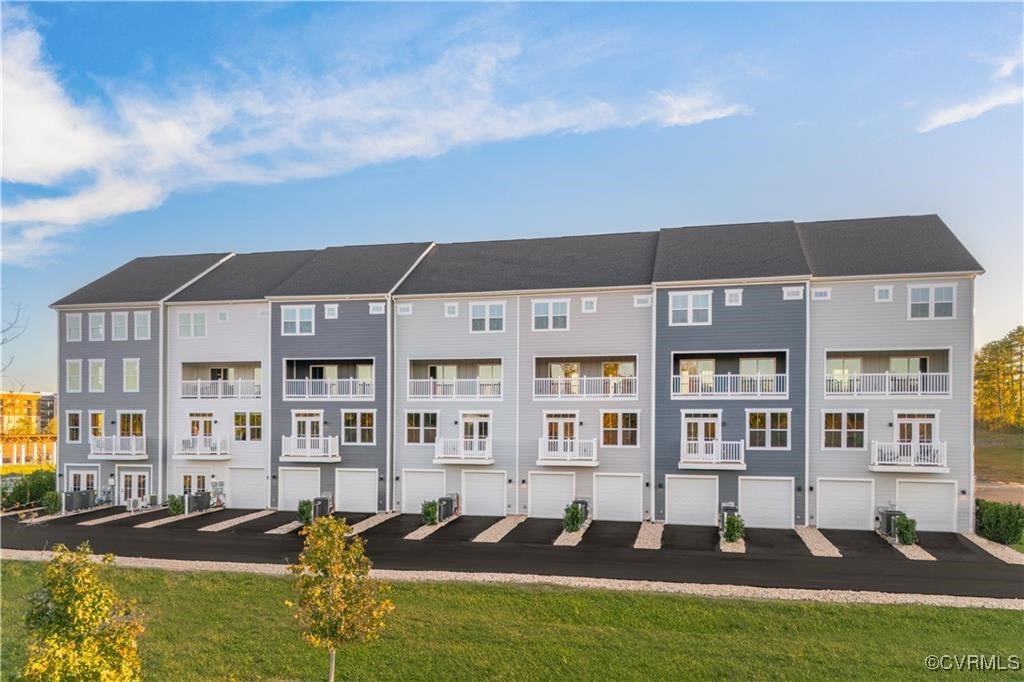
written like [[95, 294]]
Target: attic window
[[330, 311], [451, 309], [589, 305], [792, 293], [642, 301], [222, 316], [883, 293], [404, 309], [821, 294], [376, 308], [733, 297]]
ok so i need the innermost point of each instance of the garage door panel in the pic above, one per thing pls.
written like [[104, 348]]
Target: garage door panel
[[931, 503], [247, 488], [296, 485], [549, 494], [691, 501], [355, 491], [846, 504], [483, 493], [766, 502], [418, 486], [618, 498]]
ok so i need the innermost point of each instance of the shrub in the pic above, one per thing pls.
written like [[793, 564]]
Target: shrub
[[572, 519], [51, 501], [30, 488], [906, 530], [175, 505], [305, 511], [429, 512], [1001, 522], [734, 528]]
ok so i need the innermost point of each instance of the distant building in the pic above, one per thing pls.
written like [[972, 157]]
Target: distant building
[[25, 419]]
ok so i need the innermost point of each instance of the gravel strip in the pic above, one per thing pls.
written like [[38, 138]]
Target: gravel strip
[[425, 530], [180, 517], [738, 547], [214, 527], [649, 536], [694, 589], [817, 543], [51, 517], [915, 552], [499, 530], [1001, 552], [369, 523], [567, 539], [115, 517], [285, 529]]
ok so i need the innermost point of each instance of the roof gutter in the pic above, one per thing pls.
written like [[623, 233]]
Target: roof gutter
[[905, 275]]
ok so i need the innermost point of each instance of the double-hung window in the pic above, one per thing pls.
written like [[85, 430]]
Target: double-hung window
[[487, 317], [844, 430], [97, 375], [119, 326], [619, 429], [191, 325], [96, 423], [249, 426], [932, 302], [96, 321], [73, 327], [73, 424], [73, 376], [689, 308], [357, 427], [141, 318], [420, 428], [550, 315], [297, 320], [768, 429], [130, 375]]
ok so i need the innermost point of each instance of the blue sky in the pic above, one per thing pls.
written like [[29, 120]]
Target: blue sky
[[141, 129]]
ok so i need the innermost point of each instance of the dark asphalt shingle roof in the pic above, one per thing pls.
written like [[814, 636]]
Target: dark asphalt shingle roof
[[352, 270], [143, 280], [246, 276], [601, 260], [884, 246], [729, 252]]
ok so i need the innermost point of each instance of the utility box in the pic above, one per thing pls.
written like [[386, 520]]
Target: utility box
[[71, 501], [445, 508], [584, 504], [321, 507], [87, 499], [887, 521], [727, 509]]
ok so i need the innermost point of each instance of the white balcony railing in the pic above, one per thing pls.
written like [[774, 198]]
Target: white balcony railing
[[908, 454], [704, 452], [585, 387], [557, 450], [886, 383], [201, 446], [312, 447], [220, 388], [454, 389], [117, 446], [329, 389], [701, 386], [461, 449]]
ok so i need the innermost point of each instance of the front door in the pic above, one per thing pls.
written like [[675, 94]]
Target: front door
[[701, 432], [134, 485]]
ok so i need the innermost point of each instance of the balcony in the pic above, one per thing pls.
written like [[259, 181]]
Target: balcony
[[730, 386], [585, 387], [220, 388], [888, 384], [309, 449], [454, 389], [578, 452], [909, 457], [201, 448], [117, 447], [463, 451], [329, 389], [712, 454]]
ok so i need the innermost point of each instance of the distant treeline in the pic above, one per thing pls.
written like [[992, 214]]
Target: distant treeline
[[999, 383]]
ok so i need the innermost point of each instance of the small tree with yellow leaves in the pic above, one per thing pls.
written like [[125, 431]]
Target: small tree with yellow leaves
[[78, 628], [338, 602]]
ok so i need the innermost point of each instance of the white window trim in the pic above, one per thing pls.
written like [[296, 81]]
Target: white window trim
[[487, 317], [844, 411], [618, 430], [67, 327], [451, 309], [67, 376], [686, 415], [330, 311], [551, 314], [341, 428], [248, 427], [191, 315], [67, 426], [689, 308], [768, 411], [883, 287], [405, 427], [642, 301], [792, 293], [113, 325], [936, 436], [103, 324], [117, 426], [403, 309], [738, 293], [135, 325], [103, 364], [298, 324], [376, 308], [124, 375], [583, 305], [103, 422], [821, 294], [223, 316], [931, 300]]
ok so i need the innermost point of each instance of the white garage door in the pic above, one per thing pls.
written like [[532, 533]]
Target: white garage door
[[483, 493], [618, 497], [418, 486], [246, 488], [549, 494], [766, 502], [931, 504], [691, 500], [355, 490], [295, 485], [846, 504]]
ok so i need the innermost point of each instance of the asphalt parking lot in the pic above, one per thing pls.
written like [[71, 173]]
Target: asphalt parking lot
[[861, 544], [691, 538], [610, 534], [775, 541], [463, 528], [952, 547], [535, 532]]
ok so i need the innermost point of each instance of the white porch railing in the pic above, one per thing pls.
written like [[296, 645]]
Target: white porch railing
[[557, 450], [700, 386], [309, 446], [454, 389], [462, 448], [711, 452], [131, 446], [886, 383], [220, 388], [585, 387], [908, 454], [201, 445], [329, 389]]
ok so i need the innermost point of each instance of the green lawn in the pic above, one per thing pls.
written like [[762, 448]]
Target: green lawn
[[224, 626], [999, 456]]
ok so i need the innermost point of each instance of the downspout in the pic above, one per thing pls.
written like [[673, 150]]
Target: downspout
[[654, 392], [517, 478], [389, 449], [807, 404], [161, 417], [268, 379], [970, 425]]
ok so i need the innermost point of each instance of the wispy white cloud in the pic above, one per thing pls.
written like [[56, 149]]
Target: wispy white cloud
[[1000, 95], [131, 152]]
